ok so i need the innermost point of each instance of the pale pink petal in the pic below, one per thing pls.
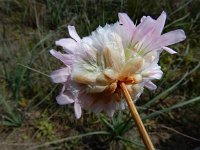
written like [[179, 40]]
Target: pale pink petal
[[73, 33], [169, 39], [143, 29], [125, 28], [155, 74], [121, 105], [160, 22], [138, 95], [150, 37], [61, 75], [97, 107], [126, 21], [87, 40], [110, 112], [150, 85], [110, 108], [143, 18], [169, 50], [64, 98], [77, 109], [68, 44], [67, 59]]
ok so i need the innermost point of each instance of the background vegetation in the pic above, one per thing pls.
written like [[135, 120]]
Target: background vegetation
[[29, 115]]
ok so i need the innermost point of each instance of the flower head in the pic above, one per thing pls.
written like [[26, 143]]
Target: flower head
[[120, 52]]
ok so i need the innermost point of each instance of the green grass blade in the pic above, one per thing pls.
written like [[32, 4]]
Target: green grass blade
[[70, 138], [108, 124], [35, 70], [183, 6], [178, 20], [131, 141], [156, 113]]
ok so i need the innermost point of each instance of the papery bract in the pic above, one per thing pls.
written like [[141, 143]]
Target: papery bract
[[120, 52]]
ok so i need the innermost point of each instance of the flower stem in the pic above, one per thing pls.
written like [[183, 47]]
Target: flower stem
[[137, 119]]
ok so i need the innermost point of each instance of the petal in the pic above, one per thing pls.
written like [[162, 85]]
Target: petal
[[152, 57], [96, 89], [126, 21], [143, 18], [67, 59], [150, 85], [68, 44], [60, 75], [113, 51], [64, 98], [84, 77], [73, 33], [132, 66], [160, 22], [169, 39], [123, 32], [97, 107], [169, 50], [152, 72], [110, 108], [143, 29], [137, 90], [121, 105], [77, 109], [87, 40], [148, 31], [125, 28]]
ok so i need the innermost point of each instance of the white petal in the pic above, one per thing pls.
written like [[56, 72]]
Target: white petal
[[132, 66], [137, 90], [60, 75], [96, 89], [169, 50], [114, 51], [152, 72], [150, 85], [152, 57], [77, 109], [73, 33], [68, 44]]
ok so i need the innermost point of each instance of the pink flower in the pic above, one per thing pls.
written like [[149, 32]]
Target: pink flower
[[120, 52]]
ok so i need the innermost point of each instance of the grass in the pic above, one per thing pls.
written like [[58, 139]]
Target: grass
[[30, 117]]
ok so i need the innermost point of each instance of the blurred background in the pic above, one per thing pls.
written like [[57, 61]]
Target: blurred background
[[29, 115]]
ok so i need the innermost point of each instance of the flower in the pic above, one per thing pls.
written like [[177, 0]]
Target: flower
[[120, 52]]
